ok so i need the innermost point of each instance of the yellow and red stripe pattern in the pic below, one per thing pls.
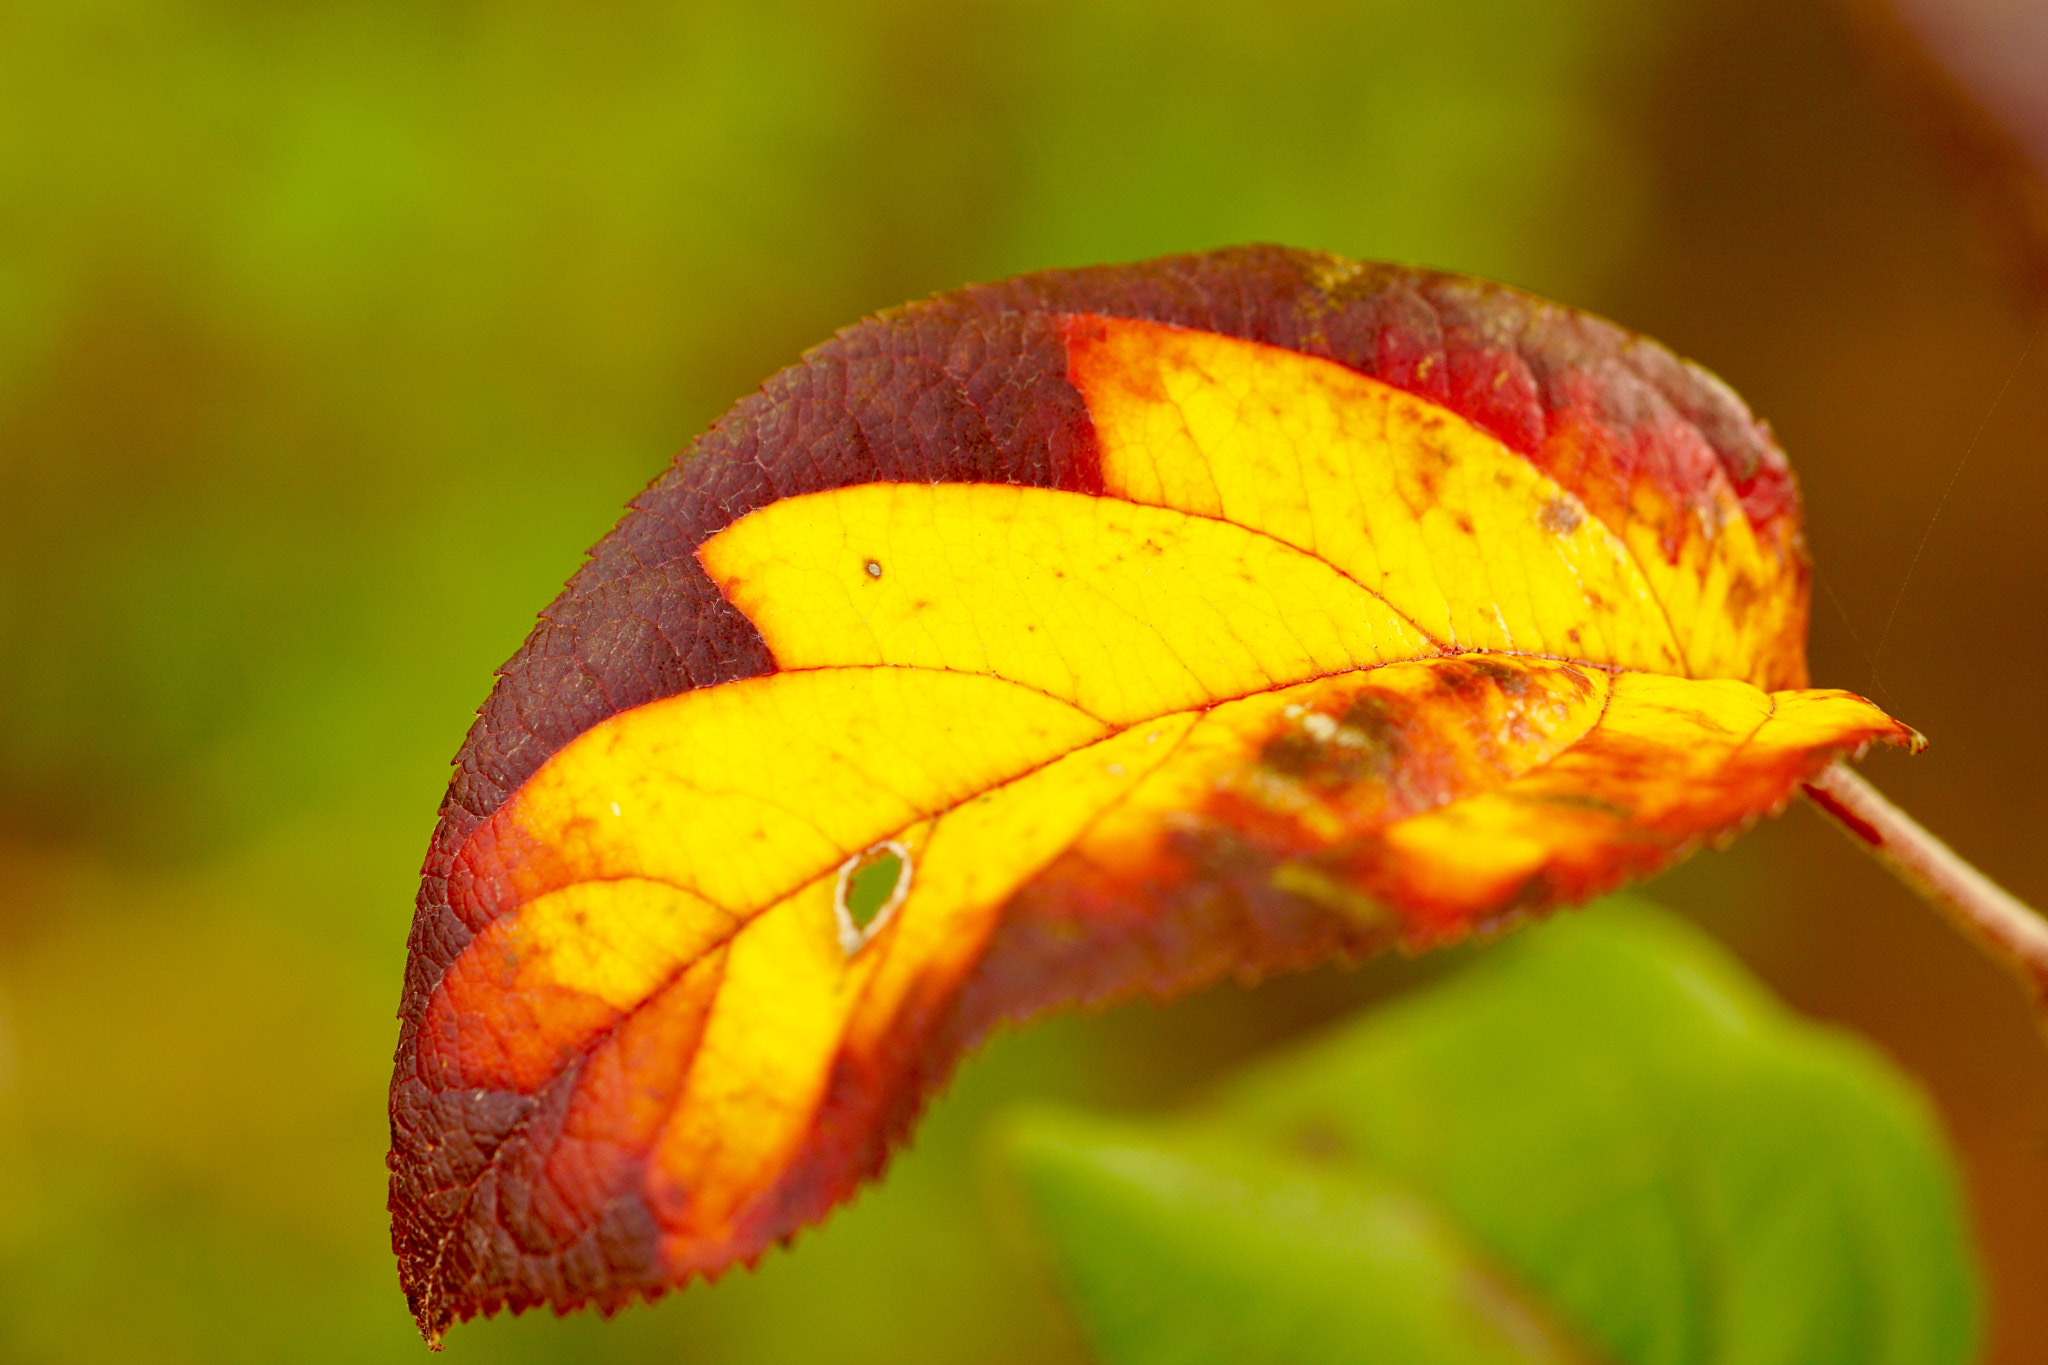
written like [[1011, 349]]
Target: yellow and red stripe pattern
[[1149, 646]]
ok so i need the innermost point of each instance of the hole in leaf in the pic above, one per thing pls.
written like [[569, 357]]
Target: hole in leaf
[[871, 885], [874, 567]]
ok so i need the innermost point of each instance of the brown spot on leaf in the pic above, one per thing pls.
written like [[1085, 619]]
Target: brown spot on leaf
[[1743, 595], [1512, 681], [1363, 744], [1560, 516]]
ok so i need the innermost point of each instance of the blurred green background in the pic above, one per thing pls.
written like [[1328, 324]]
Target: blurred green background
[[332, 333]]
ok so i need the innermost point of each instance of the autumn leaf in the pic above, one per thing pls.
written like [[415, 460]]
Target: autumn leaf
[[1093, 633]]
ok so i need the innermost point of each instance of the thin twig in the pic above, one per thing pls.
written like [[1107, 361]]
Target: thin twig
[[2000, 923]]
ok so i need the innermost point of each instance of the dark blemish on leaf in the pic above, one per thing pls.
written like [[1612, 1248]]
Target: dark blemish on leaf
[[1572, 634], [1465, 524], [1382, 719], [1743, 595], [1510, 680], [1453, 678], [1559, 517], [874, 568], [1365, 743]]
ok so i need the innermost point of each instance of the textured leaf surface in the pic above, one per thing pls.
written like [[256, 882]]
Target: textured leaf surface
[[1601, 1143], [1218, 615]]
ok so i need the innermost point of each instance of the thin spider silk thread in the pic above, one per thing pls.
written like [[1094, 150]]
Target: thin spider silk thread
[[1827, 586], [1942, 501]]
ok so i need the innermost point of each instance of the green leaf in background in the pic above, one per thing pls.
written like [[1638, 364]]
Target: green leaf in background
[[1602, 1142]]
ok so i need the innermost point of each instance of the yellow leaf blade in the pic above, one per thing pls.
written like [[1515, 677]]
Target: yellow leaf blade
[[1460, 534], [1126, 612]]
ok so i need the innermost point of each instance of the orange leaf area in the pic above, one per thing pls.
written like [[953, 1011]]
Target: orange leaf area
[[1323, 667]]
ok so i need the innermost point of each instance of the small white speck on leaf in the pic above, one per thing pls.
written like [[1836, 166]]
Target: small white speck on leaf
[[615, 808]]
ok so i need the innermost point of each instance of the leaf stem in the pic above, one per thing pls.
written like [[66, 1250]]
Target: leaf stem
[[2002, 925]]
